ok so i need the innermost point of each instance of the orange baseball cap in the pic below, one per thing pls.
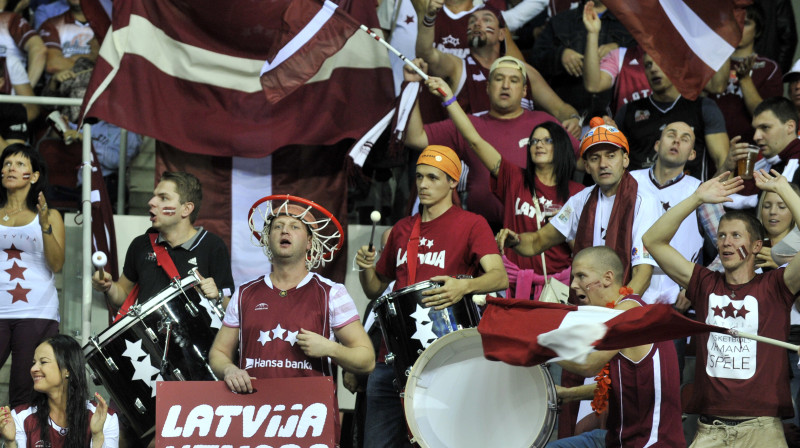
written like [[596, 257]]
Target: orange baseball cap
[[603, 133]]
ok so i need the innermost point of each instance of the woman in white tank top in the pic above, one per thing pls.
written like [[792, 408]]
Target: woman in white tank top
[[31, 250]]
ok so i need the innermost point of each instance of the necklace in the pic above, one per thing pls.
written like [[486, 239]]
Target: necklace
[[282, 293], [7, 214]]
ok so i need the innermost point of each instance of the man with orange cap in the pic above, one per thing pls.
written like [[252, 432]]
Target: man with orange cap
[[451, 242], [613, 213]]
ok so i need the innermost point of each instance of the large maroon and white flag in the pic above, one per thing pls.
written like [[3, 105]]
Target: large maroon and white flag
[[525, 333], [189, 74], [688, 39]]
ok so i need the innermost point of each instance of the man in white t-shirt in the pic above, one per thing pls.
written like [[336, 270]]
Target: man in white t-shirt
[[611, 222], [669, 184]]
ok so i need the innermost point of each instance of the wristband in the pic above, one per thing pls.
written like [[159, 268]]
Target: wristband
[[449, 102], [428, 20]]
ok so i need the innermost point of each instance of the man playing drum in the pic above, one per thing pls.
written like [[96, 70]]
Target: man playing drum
[[448, 241], [173, 246], [173, 210], [642, 381], [290, 320]]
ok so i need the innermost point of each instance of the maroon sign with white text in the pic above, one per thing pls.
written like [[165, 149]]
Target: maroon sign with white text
[[281, 413]]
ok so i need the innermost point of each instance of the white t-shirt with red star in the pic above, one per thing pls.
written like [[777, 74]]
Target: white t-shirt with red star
[[27, 287]]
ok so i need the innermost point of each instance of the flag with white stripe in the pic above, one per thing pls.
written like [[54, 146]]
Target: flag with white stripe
[[189, 74], [688, 39]]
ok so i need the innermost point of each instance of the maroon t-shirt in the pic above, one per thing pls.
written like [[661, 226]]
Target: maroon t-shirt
[[519, 214], [647, 406], [767, 78], [452, 244], [740, 377], [509, 137]]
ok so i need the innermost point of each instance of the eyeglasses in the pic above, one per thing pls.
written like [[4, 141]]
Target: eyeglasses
[[546, 141]]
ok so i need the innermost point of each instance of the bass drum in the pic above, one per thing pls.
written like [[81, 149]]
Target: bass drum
[[165, 339], [455, 397]]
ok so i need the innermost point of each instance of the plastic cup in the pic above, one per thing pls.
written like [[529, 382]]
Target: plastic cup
[[746, 166]]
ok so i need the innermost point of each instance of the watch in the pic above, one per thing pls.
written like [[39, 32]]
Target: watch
[[49, 230]]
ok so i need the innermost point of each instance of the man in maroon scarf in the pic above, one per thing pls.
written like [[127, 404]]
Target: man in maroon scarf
[[613, 213]]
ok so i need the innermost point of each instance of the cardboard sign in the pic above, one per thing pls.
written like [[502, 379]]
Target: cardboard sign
[[281, 413]]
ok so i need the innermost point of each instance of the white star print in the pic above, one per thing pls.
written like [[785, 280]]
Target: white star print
[[153, 384], [215, 320], [291, 337], [143, 370], [430, 243], [277, 332], [422, 241], [133, 350], [421, 315], [264, 337], [450, 40], [425, 335]]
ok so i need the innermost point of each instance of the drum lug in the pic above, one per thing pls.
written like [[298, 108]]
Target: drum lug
[[152, 335], [192, 309], [389, 360], [178, 374], [408, 371], [140, 407], [109, 361], [392, 309]]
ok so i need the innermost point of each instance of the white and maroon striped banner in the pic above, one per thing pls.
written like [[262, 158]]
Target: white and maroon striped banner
[[188, 74], [688, 39]]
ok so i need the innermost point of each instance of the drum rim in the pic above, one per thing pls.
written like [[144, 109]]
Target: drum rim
[[127, 321], [423, 285], [423, 360]]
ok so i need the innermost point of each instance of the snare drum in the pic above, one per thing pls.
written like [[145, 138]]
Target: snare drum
[[409, 327], [165, 339], [455, 397]]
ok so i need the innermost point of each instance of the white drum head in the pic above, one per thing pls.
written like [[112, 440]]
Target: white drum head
[[455, 397]]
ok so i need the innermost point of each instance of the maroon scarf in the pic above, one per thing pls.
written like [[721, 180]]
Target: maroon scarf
[[621, 221]]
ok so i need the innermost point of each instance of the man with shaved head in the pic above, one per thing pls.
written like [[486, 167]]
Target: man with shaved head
[[644, 379]]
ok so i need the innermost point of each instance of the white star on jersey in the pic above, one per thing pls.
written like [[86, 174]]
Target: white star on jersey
[[264, 337], [291, 337], [277, 332]]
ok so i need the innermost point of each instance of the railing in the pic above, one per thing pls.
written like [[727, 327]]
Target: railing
[[86, 191]]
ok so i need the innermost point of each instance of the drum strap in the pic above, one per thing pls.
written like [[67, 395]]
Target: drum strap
[[411, 251], [164, 260]]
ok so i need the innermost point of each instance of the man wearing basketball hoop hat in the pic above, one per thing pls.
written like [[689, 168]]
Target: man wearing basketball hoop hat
[[293, 322], [448, 241]]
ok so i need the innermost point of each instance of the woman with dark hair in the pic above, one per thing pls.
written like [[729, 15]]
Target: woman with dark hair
[[547, 178], [59, 414], [31, 250]]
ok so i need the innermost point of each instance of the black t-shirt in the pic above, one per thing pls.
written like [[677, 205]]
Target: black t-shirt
[[206, 251]]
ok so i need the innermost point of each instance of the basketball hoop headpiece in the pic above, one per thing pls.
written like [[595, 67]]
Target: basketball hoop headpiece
[[327, 235]]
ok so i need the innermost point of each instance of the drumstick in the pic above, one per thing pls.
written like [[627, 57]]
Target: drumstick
[[375, 216], [99, 261]]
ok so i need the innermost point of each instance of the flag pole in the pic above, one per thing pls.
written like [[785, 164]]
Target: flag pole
[[399, 55], [755, 337]]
